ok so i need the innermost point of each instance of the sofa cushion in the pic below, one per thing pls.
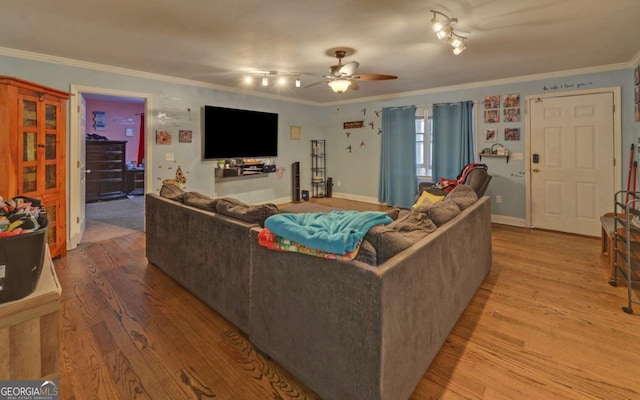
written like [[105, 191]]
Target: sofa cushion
[[394, 213], [440, 212], [172, 192], [367, 253], [199, 200], [463, 196], [255, 214], [387, 242]]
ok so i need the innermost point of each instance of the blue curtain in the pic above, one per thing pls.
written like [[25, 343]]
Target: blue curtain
[[398, 184], [453, 139]]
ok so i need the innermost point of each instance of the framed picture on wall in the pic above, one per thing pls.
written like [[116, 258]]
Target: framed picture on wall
[[490, 135], [511, 133], [491, 116], [163, 137], [491, 102], [184, 136], [511, 115], [511, 100]]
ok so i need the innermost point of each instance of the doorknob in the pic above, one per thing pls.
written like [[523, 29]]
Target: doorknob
[[86, 171], [535, 170]]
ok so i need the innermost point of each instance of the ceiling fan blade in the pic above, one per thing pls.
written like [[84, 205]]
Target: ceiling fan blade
[[313, 84], [349, 68], [373, 77]]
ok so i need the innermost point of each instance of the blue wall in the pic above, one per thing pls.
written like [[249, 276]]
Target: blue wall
[[352, 154]]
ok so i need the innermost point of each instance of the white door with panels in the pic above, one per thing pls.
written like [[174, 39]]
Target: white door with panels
[[571, 162]]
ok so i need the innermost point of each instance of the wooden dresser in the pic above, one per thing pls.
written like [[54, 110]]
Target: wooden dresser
[[33, 150], [106, 169]]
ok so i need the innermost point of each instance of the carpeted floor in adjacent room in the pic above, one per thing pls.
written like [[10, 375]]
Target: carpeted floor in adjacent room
[[110, 219]]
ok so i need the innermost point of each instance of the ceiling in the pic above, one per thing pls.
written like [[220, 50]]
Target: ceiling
[[217, 42]]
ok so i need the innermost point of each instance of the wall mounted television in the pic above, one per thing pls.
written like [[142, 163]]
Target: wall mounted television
[[234, 133]]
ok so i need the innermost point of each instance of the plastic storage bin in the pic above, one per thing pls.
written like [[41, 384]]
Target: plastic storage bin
[[21, 260]]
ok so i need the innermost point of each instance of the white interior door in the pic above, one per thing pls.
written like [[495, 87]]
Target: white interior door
[[572, 162]]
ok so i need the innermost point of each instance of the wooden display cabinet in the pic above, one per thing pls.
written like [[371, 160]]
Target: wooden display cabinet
[[32, 150]]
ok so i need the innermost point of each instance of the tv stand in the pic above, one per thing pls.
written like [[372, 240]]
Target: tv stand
[[242, 171]]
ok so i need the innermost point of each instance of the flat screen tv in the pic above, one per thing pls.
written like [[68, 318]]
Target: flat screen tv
[[234, 133]]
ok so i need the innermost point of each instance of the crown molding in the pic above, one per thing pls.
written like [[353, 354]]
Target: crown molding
[[170, 79]]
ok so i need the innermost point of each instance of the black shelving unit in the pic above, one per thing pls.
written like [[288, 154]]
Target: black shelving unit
[[626, 261], [318, 168]]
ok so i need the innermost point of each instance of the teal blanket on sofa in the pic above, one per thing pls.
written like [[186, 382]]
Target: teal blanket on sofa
[[337, 232]]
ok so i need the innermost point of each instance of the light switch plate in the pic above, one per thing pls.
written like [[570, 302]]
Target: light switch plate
[[169, 157]]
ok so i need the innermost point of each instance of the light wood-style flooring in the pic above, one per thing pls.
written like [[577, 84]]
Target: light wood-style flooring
[[545, 324]]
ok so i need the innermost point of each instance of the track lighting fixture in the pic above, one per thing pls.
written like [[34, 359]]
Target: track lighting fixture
[[443, 27], [269, 78], [339, 85]]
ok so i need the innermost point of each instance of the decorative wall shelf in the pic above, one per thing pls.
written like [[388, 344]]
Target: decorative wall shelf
[[494, 156]]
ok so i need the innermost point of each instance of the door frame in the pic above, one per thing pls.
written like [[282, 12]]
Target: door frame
[[76, 210], [617, 138]]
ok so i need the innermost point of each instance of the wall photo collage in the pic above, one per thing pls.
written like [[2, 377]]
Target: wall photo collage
[[510, 113]]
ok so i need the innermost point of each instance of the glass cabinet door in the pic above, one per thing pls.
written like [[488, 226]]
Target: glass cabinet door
[[29, 146]]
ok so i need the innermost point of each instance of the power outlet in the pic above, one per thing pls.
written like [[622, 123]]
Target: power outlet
[[498, 199], [339, 183]]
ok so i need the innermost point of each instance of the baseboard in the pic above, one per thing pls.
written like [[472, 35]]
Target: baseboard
[[506, 220]]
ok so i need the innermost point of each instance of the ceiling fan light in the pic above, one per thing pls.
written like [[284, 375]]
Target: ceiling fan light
[[248, 79], [298, 82], [282, 81], [265, 81], [340, 85]]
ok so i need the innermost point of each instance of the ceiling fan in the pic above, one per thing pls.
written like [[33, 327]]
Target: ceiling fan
[[343, 76]]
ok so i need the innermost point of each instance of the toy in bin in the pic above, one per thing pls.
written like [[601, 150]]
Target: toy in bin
[[23, 237]]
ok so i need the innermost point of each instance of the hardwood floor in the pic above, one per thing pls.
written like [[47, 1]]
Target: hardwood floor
[[545, 324]]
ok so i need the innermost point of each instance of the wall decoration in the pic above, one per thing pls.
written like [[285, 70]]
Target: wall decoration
[[491, 116], [637, 113], [353, 124], [348, 134], [295, 132], [163, 137], [491, 102], [637, 94], [128, 132], [511, 100], [490, 135], [99, 120], [184, 136], [180, 178], [511, 133], [511, 115], [636, 75]]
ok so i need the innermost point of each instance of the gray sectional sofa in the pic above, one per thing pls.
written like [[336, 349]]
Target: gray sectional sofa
[[346, 329]]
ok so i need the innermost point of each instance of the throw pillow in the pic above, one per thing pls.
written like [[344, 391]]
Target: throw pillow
[[199, 200], [440, 212], [172, 192], [425, 195], [463, 196], [253, 214]]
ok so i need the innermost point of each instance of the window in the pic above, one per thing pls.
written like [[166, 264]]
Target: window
[[424, 141]]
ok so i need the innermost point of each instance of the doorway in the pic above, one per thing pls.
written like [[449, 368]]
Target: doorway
[[572, 146], [77, 153]]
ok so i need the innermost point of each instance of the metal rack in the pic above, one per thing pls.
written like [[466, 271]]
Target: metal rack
[[627, 243], [318, 168]]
